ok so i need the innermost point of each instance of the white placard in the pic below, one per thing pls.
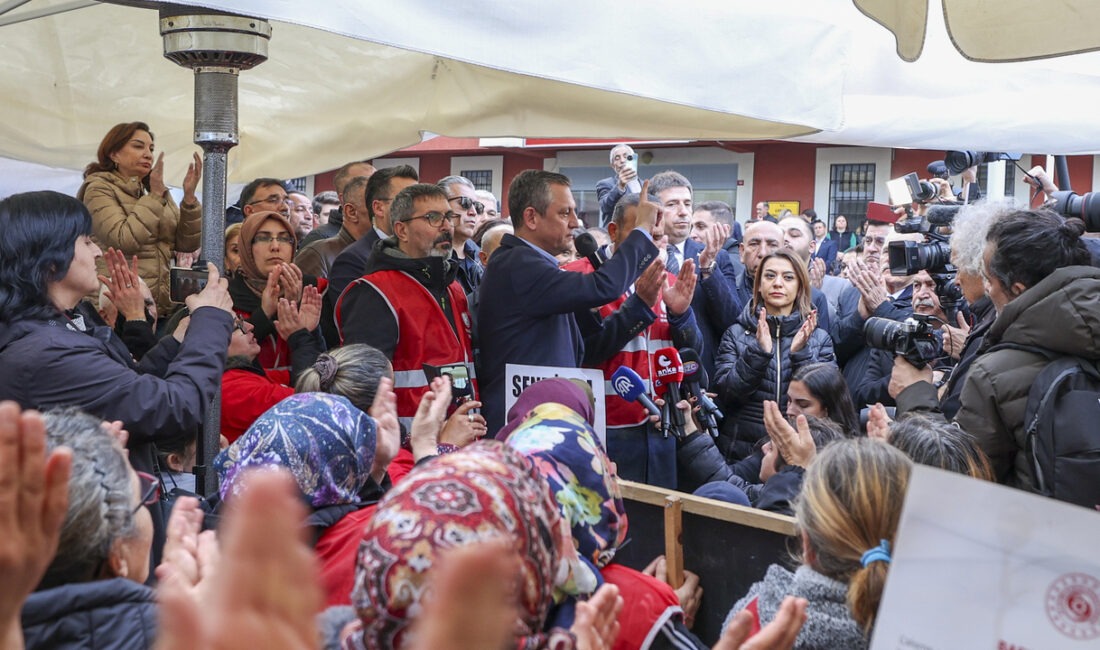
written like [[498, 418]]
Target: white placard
[[519, 377], [979, 565]]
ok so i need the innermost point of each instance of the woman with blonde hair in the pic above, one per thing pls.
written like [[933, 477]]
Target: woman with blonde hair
[[847, 515], [132, 210]]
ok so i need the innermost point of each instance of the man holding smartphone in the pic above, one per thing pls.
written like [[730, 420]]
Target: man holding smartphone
[[624, 164]]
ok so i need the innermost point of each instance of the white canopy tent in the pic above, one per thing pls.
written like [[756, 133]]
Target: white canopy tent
[[349, 79]]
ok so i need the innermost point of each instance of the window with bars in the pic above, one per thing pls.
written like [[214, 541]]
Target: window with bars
[[481, 178], [851, 187], [296, 185], [1010, 178]]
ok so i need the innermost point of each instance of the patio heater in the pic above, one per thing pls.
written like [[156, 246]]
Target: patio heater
[[217, 47]]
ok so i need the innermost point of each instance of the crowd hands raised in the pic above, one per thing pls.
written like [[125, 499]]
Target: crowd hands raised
[[381, 350]]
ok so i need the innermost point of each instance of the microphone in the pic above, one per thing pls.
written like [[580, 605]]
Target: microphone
[[668, 373], [629, 386], [587, 246], [695, 381]]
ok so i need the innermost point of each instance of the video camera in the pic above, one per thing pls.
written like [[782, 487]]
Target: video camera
[[1085, 207], [959, 161], [914, 339]]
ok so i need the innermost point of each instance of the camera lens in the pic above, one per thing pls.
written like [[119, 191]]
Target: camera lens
[[882, 333]]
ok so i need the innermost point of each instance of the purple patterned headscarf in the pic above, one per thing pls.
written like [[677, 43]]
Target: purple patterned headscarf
[[324, 441], [555, 389]]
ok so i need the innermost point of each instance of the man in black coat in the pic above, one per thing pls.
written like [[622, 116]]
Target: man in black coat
[[525, 314]]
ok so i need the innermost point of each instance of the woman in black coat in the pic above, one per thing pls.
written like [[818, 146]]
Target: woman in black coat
[[776, 334]]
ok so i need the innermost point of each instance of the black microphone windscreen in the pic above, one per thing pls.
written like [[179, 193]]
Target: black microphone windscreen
[[585, 244]]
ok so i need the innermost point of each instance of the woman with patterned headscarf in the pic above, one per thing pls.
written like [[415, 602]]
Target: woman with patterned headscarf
[[486, 492], [338, 456], [561, 444]]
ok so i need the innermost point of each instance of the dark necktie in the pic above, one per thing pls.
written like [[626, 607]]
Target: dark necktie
[[673, 264]]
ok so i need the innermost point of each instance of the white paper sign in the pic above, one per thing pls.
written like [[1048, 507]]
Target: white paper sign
[[519, 377], [979, 565]]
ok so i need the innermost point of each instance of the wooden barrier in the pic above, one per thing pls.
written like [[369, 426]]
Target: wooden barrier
[[730, 547]]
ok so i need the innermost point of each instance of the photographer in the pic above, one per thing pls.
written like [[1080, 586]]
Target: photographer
[[623, 181], [1045, 298]]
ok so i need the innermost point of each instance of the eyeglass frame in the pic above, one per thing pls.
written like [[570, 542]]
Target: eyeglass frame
[[273, 199], [150, 495], [466, 203], [450, 216], [267, 238]]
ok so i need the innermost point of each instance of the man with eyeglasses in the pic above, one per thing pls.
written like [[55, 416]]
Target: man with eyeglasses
[[408, 303], [265, 195], [462, 195]]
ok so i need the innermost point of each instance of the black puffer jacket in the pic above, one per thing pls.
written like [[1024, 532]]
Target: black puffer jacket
[[115, 614], [745, 375]]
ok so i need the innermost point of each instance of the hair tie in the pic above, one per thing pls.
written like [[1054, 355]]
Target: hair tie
[[326, 367], [880, 553]]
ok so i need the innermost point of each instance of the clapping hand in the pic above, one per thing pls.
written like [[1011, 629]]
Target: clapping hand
[[795, 445]]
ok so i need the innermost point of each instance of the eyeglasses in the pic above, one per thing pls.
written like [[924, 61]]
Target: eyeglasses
[[150, 491], [435, 219], [267, 238], [466, 203], [274, 199], [238, 324]]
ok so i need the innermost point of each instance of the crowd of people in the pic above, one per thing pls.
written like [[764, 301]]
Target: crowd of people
[[374, 429]]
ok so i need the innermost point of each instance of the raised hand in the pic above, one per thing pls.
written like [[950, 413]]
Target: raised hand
[[34, 496], [763, 336], [648, 212], [871, 287], [464, 427], [290, 281], [123, 285], [780, 634], [291, 318], [269, 299], [954, 338], [805, 331], [817, 272], [649, 283], [878, 423], [712, 243], [156, 178], [266, 590], [384, 412], [191, 180], [678, 295], [796, 446], [214, 294], [428, 421], [596, 625]]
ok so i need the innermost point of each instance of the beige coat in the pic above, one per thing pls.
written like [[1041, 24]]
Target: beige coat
[[128, 219]]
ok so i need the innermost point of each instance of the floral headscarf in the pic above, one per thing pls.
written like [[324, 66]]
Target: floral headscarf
[[555, 389], [254, 278], [564, 448], [324, 441], [482, 492]]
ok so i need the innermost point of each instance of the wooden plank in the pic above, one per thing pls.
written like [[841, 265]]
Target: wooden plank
[[674, 548], [711, 508], [728, 546]]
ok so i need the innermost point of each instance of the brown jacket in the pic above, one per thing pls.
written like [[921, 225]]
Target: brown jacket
[[128, 219]]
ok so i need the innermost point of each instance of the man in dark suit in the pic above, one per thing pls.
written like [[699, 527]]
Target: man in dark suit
[[824, 248], [715, 302], [624, 164], [527, 303], [351, 263]]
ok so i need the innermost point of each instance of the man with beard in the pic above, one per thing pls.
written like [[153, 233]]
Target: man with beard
[[462, 195], [408, 303]]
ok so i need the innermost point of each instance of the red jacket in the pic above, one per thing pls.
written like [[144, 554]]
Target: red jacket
[[648, 604], [246, 395], [336, 550]]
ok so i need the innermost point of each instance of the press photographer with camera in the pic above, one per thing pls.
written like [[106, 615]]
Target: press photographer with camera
[[1045, 296], [623, 181]]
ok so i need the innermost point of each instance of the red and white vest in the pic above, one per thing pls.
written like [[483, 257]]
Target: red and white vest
[[424, 335], [637, 355]]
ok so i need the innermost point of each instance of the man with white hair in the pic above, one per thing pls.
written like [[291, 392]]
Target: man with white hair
[[624, 164], [491, 211]]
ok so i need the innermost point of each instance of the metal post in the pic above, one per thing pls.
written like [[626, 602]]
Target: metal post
[[217, 47]]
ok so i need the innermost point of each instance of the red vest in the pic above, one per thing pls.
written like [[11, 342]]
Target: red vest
[[648, 604], [637, 355], [425, 334]]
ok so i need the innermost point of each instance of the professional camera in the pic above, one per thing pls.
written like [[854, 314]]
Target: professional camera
[[1085, 207], [932, 255], [914, 339], [959, 161]]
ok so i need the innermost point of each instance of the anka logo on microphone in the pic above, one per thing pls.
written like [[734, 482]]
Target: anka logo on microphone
[[666, 367]]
